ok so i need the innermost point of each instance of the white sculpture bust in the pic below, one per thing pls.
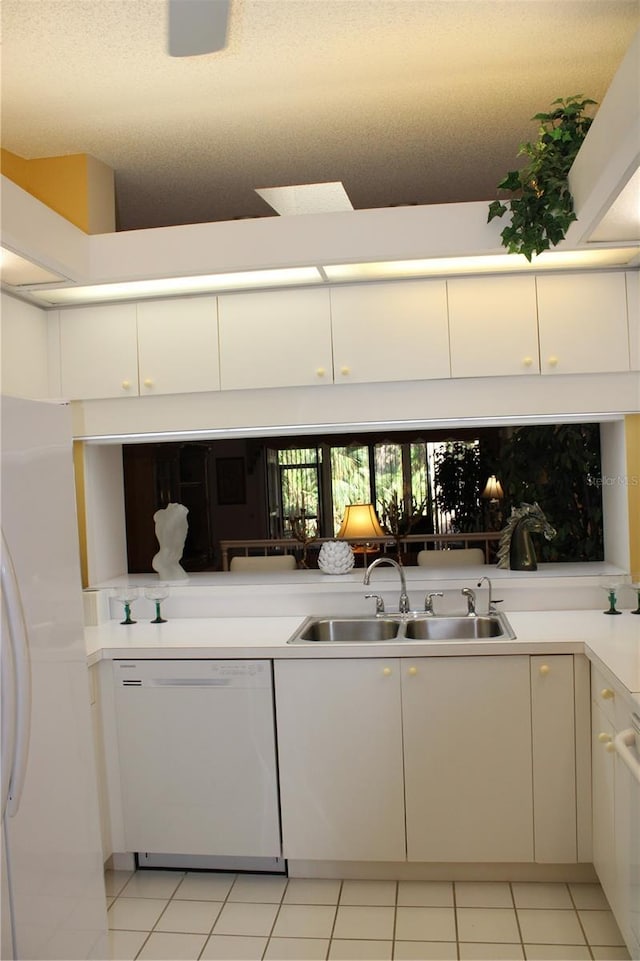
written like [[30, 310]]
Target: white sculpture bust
[[171, 531]]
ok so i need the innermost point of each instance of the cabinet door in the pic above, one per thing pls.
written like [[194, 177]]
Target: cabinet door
[[277, 339], [467, 748], [554, 759], [385, 332], [178, 345], [340, 759], [603, 774], [98, 352], [493, 326], [583, 323]]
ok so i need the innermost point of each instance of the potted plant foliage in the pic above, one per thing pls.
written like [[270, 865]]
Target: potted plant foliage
[[542, 206]]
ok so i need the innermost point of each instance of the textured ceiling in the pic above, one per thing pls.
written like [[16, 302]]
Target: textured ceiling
[[404, 101]]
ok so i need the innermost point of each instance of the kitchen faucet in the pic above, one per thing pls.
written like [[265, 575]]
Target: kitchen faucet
[[403, 606], [491, 609]]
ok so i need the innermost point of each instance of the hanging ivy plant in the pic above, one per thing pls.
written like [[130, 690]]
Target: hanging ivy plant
[[542, 209]]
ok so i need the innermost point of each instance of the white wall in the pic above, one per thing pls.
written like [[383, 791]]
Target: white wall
[[615, 503], [25, 331], [105, 518]]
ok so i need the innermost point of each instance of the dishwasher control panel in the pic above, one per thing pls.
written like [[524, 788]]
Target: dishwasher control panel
[[190, 673]]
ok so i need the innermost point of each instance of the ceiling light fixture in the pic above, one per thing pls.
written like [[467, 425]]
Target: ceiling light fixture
[[489, 263], [173, 286], [17, 271]]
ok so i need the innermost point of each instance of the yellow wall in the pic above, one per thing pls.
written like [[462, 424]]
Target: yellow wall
[[632, 437], [78, 187]]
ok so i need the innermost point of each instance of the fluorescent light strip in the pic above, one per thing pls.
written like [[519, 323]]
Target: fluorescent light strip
[[172, 286], [490, 263], [292, 276], [17, 271]]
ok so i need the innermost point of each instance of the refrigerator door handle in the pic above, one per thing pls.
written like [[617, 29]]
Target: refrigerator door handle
[[19, 652]]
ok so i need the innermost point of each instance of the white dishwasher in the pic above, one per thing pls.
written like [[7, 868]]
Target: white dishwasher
[[196, 742]]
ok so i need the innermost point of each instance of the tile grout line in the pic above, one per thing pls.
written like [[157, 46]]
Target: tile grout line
[[577, 914], [515, 911], [275, 920]]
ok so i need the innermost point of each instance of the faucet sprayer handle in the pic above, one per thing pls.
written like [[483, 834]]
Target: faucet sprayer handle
[[379, 603], [471, 599], [428, 601]]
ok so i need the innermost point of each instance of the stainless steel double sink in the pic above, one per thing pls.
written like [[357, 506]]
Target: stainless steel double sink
[[403, 628]]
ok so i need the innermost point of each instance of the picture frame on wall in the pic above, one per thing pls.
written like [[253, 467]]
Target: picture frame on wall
[[230, 481]]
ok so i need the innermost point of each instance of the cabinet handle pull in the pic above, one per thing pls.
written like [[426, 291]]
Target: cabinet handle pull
[[126, 384], [527, 361], [553, 361], [544, 669], [610, 747], [386, 671], [320, 372], [345, 371], [148, 382], [607, 693], [603, 737], [413, 671]]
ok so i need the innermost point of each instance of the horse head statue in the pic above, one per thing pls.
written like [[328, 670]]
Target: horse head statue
[[516, 551]]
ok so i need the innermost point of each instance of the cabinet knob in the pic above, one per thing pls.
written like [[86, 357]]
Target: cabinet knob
[[320, 372], [126, 384], [386, 671], [148, 382], [603, 737], [610, 747], [345, 371], [527, 361], [544, 669], [553, 361], [413, 671], [607, 693]]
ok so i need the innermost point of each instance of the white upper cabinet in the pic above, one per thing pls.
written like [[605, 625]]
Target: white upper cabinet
[[391, 331], [275, 339], [583, 323], [98, 352], [493, 326], [153, 347], [178, 345]]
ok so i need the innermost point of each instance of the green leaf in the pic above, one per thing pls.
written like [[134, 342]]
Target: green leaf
[[496, 209], [543, 211]]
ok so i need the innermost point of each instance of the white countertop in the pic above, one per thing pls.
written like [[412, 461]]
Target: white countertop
[[611, 642]]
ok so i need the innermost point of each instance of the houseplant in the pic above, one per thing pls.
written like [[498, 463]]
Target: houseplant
[[542, 206]]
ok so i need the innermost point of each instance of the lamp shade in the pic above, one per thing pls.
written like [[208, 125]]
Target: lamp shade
[[493, 489], [360, 522]]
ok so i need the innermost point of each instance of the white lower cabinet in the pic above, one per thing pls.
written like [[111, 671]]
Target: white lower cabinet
[[616, 808], [467, 743], [340, 759], [428, 759], [603, 765]]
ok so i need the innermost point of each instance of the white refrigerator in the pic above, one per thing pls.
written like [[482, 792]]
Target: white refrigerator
[[53, 900]]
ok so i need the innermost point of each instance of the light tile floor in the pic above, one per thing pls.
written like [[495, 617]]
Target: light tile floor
[[184, 916]]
